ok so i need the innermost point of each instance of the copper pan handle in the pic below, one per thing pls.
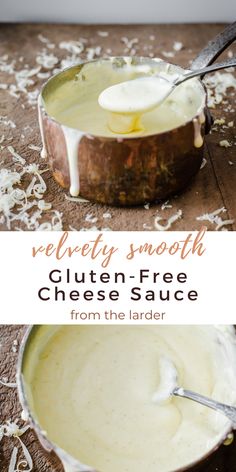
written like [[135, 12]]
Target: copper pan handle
[[215, 47]]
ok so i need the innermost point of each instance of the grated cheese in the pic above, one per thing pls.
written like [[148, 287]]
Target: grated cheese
[[106, 215], [43, 75], [12, 465], [225, 143], [16, 156], [43, 39], [34, 148], [129, 43], [166, 205], [224, 223], [93, 228], [74, 47], [204, 162], [75, 199], [217, 85], [26, 206], [11, 428], [47, 61], [6, 122], [147, 227], [24, 415], [93, 52], [214, 218], [103, 34], [167, 54], [177, 46], [169, 223], [27, 462], [220, 121], [8, 384], [90, 218]]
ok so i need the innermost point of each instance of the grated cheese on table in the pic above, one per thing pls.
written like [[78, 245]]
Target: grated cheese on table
[[90, 218], [46, 60], [76, 199], [168, 54], [74, 47], [166, 205], [219, 121], [214, 218], [204, 162], [177, 46], [106, 215], [16, 156], [103, 34], [170, 221], [6, 122], [26, 206], [34, 148], [26, 464]]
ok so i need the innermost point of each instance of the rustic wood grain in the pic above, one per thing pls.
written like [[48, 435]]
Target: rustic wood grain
[[215, 185], [10, 408], [222, 461]]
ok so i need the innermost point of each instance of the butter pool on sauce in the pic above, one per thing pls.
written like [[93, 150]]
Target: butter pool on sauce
[[92, 391]]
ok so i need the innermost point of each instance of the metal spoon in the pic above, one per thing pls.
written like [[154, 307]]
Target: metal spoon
[[227, 410], [141, 95]]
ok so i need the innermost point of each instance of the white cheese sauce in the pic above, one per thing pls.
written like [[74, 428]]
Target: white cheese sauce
[[40, 118], [74, 102], [72, 139], [92, 389]]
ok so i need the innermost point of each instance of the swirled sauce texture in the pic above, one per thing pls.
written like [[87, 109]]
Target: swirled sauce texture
[[92, 390]]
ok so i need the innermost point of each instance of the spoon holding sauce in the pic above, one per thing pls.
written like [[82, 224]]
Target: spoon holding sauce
[[227, 410], [128, 101], [168, 387]]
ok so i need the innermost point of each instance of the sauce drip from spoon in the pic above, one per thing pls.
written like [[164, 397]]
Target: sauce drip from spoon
[[128, 101]]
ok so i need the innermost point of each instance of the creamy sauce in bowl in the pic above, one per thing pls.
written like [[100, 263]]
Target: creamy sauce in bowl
[[73, 101], [128, 101], [92, 389]]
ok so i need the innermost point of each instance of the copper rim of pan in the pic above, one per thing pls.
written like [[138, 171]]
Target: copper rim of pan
[[140, 59], [61, 453]]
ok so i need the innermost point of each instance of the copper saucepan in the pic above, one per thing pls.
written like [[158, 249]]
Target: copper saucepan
[[30, 349], [128, 170]]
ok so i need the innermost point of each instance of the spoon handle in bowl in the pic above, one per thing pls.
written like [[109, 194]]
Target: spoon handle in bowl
[[215, 47], [212, 68], [227, 410]]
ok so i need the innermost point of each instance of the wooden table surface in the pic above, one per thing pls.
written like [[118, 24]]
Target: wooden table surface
[[222, 461], [215, 185]]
